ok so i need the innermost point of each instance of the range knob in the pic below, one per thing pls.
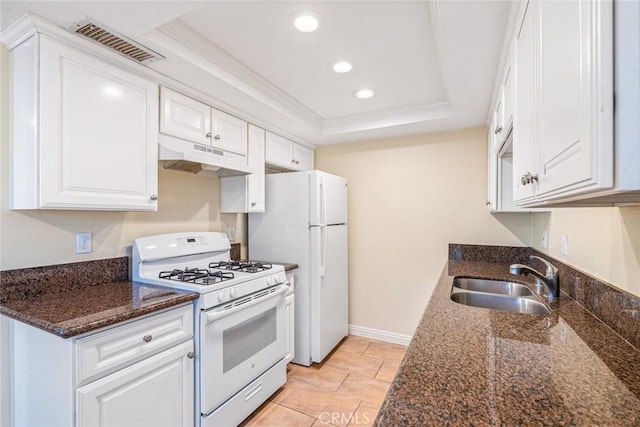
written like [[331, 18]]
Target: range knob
[[233, 293], [270, 281], [224, 296]]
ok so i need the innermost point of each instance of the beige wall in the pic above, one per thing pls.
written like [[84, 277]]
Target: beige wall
[[603, 242], [39, 237], [408, 198]]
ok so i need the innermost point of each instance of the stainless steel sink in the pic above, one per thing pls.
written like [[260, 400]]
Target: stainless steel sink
[[526, 305], [492, 286]]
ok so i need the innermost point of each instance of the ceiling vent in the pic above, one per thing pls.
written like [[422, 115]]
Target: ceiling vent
[[111, 39]]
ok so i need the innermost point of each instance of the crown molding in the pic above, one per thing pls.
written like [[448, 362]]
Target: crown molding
[[387, 118], [178, 38]]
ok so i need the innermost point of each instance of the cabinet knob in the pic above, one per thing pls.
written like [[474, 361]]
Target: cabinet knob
[[154, 197], [209, 135], [191, 355], [147, 338], [293, 160], [498, 130], [216, 137], [253, 204], [297, 162], [488, 203], [528, 178]]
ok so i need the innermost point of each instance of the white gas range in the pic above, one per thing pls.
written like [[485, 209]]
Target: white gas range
[[241, 332]]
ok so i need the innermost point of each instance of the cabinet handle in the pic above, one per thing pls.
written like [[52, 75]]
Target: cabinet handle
[[528, 178], [498, 130], [209, 135], [147, 338], [216, 137], [154, 197], [191, 355], [253, 204]]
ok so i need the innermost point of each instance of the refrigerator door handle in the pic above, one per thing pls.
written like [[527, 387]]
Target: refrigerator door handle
[[323, 244], [323, 200]]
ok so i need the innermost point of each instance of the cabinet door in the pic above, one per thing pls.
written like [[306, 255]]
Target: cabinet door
[[290, 308], [576, 132], [507, 95], [524, 126], [492, 183], [99, 146], [158, 391], [245, 193], [229, 132], [184, 117], [278, 151], [302, 158], [255, 181]]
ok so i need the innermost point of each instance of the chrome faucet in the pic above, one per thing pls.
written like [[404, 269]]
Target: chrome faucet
[[549, 279]]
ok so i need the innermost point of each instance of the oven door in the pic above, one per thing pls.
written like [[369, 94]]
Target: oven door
[[239, 341]]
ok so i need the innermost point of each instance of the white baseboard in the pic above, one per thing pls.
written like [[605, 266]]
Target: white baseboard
[[377, 334]]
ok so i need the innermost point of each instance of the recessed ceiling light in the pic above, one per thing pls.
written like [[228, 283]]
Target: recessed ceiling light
[[341, 66], [364, 93], [306, 22]]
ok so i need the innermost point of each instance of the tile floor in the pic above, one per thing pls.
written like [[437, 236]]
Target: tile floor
[[347, 389]]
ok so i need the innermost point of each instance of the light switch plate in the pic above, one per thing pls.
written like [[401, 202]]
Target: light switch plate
[[565, 245], [231, 231]]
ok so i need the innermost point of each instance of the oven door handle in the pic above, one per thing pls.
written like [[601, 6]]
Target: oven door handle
[[215, 315]]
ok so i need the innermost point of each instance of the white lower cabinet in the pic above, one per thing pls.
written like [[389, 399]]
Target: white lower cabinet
[[155, 392], [290, 307], [140, 373]]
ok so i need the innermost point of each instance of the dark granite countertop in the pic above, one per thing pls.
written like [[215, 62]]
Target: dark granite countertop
[[72, 299], [76, 312], [473, 366], [289, 267]]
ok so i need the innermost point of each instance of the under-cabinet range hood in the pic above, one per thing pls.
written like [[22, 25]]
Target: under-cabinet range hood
[[200, 159]]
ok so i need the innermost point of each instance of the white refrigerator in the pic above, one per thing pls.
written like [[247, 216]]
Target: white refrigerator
[[305, 222]]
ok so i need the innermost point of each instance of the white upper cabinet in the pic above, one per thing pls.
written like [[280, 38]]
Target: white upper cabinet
[[246, 193], [302, 157], [507, 90], [284, 154], [576, 97], [184, 117], [84, 131], [524, 124], [565, 151], [229, 132]]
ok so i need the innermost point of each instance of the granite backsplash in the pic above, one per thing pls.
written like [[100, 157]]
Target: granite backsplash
[[25, 283]]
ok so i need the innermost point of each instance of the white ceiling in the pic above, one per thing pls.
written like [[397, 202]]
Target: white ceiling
[[432, 64]]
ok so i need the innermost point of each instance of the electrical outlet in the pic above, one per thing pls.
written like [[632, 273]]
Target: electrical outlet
[[83, 243], [565, 245], [544, 239], [231, 231]]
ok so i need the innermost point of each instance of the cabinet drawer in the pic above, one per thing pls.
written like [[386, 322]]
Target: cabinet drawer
[[100, 354]]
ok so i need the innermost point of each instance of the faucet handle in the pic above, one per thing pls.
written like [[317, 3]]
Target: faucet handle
[[550, 268]]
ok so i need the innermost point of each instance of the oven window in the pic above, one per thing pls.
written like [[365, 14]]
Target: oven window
[[248, 338]]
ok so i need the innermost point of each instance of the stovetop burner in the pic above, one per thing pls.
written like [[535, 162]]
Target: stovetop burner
[[198, 276], [243, 266]]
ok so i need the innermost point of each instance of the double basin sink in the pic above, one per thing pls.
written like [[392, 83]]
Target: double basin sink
[[497, 295]]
